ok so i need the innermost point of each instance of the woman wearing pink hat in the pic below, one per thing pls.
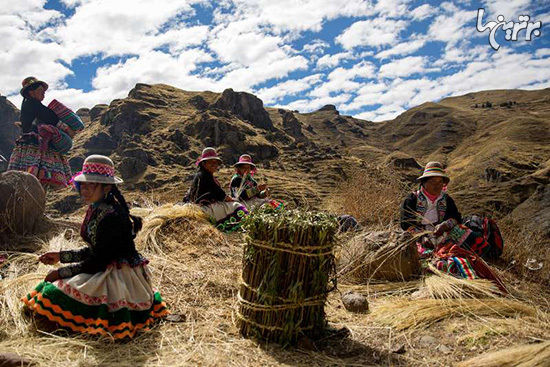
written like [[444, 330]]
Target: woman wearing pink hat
[[206, 191], [245, 188]]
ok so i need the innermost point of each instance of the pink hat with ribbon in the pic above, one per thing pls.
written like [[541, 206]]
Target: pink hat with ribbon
[[98, 168], [245, 159], [208, 154]]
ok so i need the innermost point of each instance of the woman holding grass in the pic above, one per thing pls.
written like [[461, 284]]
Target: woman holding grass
[[107, 288], [245, 189]]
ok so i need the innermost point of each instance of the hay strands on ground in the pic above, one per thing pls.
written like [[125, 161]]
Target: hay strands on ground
[[288, 263], [151, 235], [406, 314], [532, 355]]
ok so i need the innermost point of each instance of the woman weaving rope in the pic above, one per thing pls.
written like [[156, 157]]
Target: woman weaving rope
[[431, 215]]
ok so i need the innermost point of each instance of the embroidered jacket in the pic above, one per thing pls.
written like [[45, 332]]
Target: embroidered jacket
[[416, 204], [205, 189], [108, 232], [248, 190]]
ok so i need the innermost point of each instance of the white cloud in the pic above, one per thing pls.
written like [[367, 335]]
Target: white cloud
[[392, 8], [115, 28], [316, 47], [403, 67], [541, 52], [452, 26], [510, 9], [342, 79], [423, 11], [308, 105], [298, 15], [402, 49], [371, 32], [289, 88], [329, 61]]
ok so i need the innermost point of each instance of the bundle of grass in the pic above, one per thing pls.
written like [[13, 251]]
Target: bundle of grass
[[533, 355], [403, 314], [440, 285], [378, 255], [288, 265], [171, 226]]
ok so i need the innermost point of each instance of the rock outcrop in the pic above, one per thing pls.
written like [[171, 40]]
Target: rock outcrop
[[245, 105], [8, 131]]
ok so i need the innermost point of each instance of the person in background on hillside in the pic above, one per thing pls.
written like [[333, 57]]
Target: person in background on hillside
[[33, 152], [107, 288], [246, 190], [431, 215], [205, 190]]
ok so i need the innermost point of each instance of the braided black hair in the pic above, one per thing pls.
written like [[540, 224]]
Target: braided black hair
[[137, 222]]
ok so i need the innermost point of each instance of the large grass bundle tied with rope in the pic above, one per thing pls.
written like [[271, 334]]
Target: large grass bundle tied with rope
[[288, 270]]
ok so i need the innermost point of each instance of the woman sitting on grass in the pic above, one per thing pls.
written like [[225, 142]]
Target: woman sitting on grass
[[432, 215], [206, 191], [107, 288], [246, 190]]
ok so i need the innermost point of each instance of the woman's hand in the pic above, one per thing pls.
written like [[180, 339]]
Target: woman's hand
[[262, 187], [18, 124], [52, 276], [49, 258], [228, 198], [442, 228]]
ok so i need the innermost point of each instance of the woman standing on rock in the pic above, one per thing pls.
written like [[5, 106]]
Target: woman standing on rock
[[432, 214], [33, 152], [206, 191], [107, 290]]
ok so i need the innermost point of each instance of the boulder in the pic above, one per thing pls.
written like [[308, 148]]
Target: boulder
[[129, 117], [130, 167], [76, 163], [198, 102], [102, 143], [292, 126], [8, 131], [140, 155], [179, 138], [329, 107], [245, 105], [97, 111], [22, 203], [379, 255], [84, 114], [355, 302]]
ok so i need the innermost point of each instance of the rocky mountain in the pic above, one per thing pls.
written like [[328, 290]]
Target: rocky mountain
[[495, 144], [8, 131]]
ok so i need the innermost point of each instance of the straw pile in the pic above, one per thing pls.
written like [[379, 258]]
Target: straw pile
[[186, 223], [533, 355], [288, 262]]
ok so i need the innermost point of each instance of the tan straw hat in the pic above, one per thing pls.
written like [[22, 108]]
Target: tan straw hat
[[98, 168]]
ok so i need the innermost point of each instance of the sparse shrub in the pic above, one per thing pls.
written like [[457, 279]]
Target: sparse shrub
[[372, 195], [523, 243]]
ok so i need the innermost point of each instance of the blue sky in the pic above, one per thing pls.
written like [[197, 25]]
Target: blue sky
[[372, 59]]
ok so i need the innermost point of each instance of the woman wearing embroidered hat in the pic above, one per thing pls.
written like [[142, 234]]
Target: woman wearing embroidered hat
[[107, 288], [432, 215], [40, 150], [245, 189], [206, 191]]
